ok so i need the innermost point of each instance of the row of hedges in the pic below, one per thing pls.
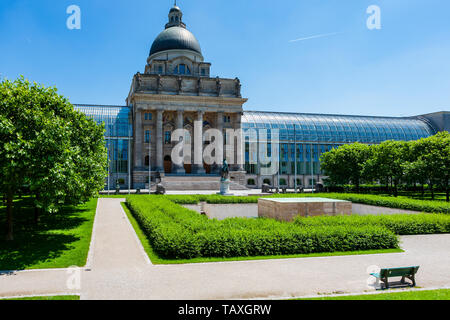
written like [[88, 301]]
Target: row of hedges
[[178, 233], [370, 188], [375, 200], [430, 206], [401, 224]]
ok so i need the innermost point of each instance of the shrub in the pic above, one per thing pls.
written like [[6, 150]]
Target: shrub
[[401, 224], [178, 233], [375, 200]]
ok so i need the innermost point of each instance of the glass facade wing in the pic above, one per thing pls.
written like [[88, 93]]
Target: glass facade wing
[[118, 136], [117, 119], [338, 128]]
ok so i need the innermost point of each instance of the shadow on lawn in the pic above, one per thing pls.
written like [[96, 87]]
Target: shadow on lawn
[[34, 244]]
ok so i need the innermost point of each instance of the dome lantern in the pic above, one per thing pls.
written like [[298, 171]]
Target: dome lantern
[[175, 17], [176, 36]]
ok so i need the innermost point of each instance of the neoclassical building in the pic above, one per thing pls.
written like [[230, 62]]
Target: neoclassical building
[[176, 91]]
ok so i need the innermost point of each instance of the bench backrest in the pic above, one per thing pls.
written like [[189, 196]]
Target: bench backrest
[[398, 272]]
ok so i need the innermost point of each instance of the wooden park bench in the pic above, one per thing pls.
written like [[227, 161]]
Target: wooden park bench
[[408, 272]]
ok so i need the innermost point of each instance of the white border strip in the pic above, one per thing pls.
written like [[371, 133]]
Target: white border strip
[[90, 257], [372, 293], [140, 246], [42, 295]]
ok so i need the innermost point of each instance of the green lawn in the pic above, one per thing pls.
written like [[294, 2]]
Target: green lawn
[[442, 294], [155, 259], [438, 196], [60, 240], [53, 298]]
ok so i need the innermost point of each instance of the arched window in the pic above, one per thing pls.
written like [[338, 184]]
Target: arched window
[[182, 69]]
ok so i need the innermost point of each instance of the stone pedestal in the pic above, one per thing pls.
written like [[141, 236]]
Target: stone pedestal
[[225, 188], [289, 208]]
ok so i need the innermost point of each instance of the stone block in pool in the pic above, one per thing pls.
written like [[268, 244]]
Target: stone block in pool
[[286, 209]]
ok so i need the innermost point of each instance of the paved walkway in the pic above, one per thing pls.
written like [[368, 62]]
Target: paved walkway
[[120, 270]]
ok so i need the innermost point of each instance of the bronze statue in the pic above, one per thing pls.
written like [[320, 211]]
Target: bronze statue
[[225, 171], [199, 86], [159, 85], [180, 84], [218, 86], [238, 87]]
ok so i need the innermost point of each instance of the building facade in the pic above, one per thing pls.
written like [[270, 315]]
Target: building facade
[[176, 93]]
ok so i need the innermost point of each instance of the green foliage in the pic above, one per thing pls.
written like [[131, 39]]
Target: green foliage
[[179, 233], [375, 200], [344, 164], [60, 240], [400, 224], [426, 161], [57, 152], [387, 162]]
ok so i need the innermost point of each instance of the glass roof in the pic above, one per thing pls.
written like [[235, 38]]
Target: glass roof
[[117, 119], [337, 128]]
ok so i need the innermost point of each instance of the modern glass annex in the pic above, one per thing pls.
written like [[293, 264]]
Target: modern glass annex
[[118, 139], [304, 137], [337, 128]]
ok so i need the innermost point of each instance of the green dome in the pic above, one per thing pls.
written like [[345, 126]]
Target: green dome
[[174, 38]]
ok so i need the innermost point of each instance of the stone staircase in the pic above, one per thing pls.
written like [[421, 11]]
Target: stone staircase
[[196, 182]]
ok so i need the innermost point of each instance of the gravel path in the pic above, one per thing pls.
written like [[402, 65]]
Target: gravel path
[[120, 270]]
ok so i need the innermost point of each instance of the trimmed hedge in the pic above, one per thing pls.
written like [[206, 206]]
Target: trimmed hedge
[[375, 200], [178, 233], [371, 188], [401, 224]]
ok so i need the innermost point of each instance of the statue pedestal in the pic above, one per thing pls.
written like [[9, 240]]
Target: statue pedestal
[[225, 188]]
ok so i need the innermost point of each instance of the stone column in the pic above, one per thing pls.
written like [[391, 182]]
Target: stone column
[[220, 150], [138, 140], [177, 168], [159, 142], [198, 145], [239, 151]]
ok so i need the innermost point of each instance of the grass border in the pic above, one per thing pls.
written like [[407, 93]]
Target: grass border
[[72, 297], [413, 294], [78, 253], [155, 259]]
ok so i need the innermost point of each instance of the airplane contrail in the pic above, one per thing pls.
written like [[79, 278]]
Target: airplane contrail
[[317, 36]]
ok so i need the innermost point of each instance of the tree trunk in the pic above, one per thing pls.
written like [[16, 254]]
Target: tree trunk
[[36, 215], [395, 188], [37, 218], [9, 216], [447, 191], [432, 191], [423, 191]]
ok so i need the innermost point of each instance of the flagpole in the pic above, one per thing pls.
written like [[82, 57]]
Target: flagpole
[[312, 168], [150, 165], [295, 160]]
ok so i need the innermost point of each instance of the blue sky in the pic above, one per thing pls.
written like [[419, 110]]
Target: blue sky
[[401, 70]]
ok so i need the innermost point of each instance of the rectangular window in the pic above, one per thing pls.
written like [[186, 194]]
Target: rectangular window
[[167, 137], [147, 136], [316, 153], [284, 151], [300, 153], [203, 72], [292, 152], [160, 69], [148, 116], [308, 153]]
